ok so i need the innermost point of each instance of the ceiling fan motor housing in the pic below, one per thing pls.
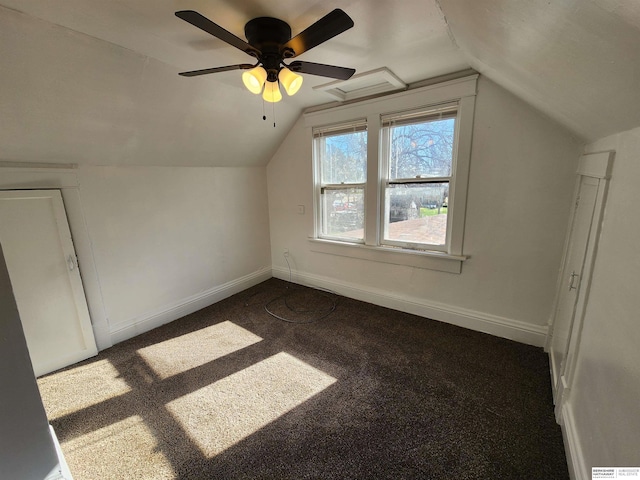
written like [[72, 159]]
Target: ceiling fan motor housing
[[268, 34]]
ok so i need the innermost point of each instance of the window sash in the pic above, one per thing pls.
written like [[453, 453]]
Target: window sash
[[429, 229], [323, 134], [343, 221], [415, 117], [332, 221], [449, 110], [420, 115], [404, 181], [340, 186], [359, 125]]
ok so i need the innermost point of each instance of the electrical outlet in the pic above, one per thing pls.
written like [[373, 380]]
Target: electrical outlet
[[286, 252]]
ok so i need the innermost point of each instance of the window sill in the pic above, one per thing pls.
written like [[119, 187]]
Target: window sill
[[439, 261]]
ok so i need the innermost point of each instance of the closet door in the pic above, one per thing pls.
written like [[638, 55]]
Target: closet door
[[45, 278], [573, 288]]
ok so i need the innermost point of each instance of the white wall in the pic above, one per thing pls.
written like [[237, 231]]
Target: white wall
[[604, 402], [520, 187], [169, 240]]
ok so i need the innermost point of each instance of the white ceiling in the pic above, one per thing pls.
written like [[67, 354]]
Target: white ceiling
[[96, 82], [576, 60]]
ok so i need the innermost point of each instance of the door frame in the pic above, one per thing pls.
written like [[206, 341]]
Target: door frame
[[24, 176], [594, 165]]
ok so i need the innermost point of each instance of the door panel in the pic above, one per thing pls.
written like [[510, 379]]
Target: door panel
[[572, 273], [573, 289], [45, 278]]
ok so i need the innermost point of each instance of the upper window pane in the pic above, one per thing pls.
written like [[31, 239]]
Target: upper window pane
[[422, 149], [344, 158]]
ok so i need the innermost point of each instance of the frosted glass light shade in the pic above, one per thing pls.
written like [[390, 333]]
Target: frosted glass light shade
[[254, 79], [272, 92], [290, 81]]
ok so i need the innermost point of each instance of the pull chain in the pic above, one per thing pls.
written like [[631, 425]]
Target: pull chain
[[273, 107]]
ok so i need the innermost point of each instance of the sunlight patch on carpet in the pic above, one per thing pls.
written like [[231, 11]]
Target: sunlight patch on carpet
[[112, 447], [197, 348], [75, 389], [223, 413]]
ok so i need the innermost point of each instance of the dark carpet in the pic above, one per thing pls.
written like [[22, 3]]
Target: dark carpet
[[230, 392]]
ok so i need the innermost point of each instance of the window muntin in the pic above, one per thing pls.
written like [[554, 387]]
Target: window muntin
[[418, 163], [341, 158]]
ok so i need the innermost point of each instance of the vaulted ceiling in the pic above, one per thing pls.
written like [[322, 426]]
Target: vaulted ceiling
[[576, 60], [96, 82]]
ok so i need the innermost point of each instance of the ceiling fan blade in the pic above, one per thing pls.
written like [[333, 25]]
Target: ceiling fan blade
[[332, 24], [341, 73], [195, 73], [203, 23]]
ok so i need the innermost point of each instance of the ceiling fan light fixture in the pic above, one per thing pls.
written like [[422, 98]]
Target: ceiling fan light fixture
[[271, 92], [269, 41], [290, 81], [254, 79]]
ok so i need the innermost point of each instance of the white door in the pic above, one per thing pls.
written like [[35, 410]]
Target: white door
[[45, 278], [576, 271], [572, 273]]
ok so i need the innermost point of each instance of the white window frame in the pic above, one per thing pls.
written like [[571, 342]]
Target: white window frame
[[387, 121], [462, 91], [354, 126]]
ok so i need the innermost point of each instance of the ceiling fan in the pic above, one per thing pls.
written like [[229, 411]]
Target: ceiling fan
[[269, 41]]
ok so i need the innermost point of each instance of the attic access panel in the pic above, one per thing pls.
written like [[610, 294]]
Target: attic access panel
[[364, 84]]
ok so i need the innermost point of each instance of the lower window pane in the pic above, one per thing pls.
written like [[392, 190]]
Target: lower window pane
[[417, 213], [343, 213]]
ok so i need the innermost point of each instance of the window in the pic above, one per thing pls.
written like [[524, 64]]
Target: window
[[341, 153], [394, 182], [417, 166]]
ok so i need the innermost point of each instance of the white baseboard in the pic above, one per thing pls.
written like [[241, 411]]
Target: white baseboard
[[143, 323], [575, 457], [482, 322], [554, 370]]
